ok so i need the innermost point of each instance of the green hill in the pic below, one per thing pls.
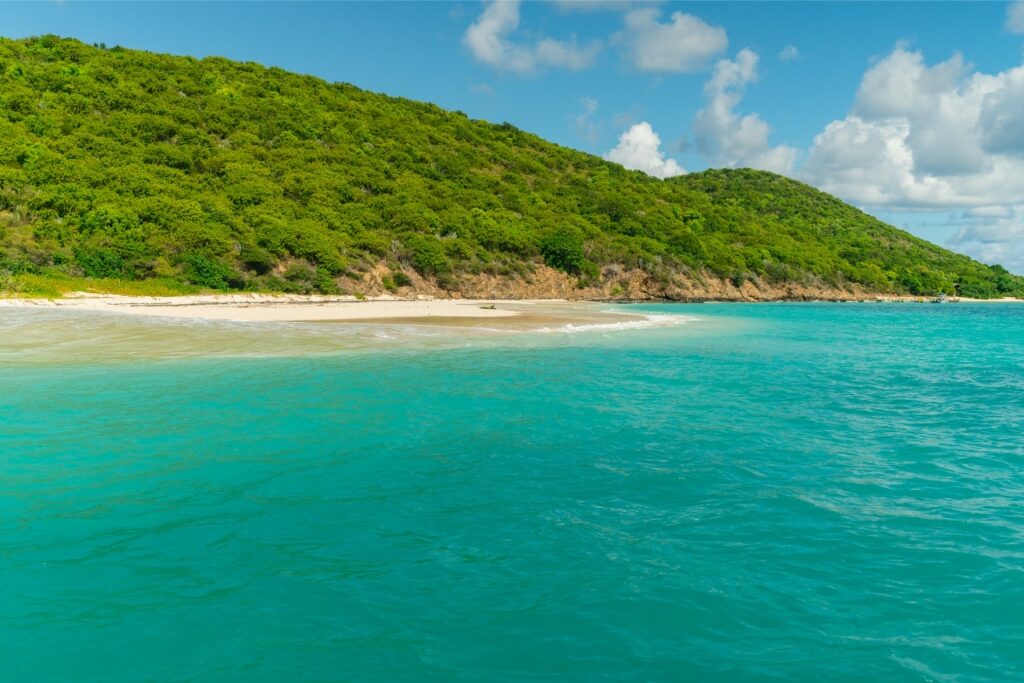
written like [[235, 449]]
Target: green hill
[[129, 171]]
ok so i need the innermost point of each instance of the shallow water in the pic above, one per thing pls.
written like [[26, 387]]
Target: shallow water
[[726, 492]]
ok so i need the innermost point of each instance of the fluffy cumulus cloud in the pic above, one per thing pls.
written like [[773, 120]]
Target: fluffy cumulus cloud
[[683, 44], [729, 139], [940, 136], [1015, 17], [489, 40], [639, 148], [921, 136]]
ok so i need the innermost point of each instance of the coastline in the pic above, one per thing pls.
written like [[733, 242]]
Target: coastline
[[254, 307]]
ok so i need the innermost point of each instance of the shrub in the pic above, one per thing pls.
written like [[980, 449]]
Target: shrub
[[208, 272], [100, 262], [257, 259], [563, 249], [14, 266], [428, 255]]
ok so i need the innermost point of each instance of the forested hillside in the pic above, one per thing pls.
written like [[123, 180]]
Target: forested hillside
[[119, 166]]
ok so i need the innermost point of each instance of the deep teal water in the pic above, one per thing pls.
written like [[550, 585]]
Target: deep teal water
[[775, 492]]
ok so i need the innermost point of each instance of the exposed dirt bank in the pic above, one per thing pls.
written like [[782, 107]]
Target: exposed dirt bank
[[616, 284]]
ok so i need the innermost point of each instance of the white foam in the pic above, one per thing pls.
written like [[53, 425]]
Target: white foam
[[649, 321]]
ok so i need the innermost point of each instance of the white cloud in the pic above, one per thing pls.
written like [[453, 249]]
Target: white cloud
[[729, 139], [789, 53], [934, 137], [584, 124], [865, 161], [1002, 116], [684, 44], [926, 137], [488, 40], [639, 149], [902, 85], [1015, 17], [993, 235]]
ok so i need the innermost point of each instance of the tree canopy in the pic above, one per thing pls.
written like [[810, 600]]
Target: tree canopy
[[125, 166]]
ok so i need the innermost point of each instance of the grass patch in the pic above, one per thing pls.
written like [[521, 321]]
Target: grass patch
[[55, 286]]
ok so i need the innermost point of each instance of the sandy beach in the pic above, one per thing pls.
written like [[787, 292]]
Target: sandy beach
[[285, 308], [341, 309]]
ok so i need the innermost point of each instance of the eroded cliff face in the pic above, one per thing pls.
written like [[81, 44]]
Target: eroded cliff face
[[616, 284]]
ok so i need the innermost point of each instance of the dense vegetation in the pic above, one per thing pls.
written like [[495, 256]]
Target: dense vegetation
[[125, 166]]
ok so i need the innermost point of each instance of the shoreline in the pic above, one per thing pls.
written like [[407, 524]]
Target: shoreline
[[323, 308]]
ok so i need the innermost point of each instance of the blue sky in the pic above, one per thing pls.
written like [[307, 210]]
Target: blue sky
[[913, 111]]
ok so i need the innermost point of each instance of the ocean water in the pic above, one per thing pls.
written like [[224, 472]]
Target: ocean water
[[723, 493]]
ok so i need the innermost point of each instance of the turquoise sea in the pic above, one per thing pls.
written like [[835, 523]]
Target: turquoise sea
[[788, 492]]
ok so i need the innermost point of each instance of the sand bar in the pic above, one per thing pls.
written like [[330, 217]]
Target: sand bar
[[287, 308]]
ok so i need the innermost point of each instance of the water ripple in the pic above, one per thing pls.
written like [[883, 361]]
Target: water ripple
[[790, 493]]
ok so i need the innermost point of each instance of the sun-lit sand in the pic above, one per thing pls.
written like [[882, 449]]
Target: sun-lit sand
[[268, 308], [313, 308]]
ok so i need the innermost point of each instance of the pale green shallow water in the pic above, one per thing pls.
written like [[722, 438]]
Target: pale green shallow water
[[774, 492]]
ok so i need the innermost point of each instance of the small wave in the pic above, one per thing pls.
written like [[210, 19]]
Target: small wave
[[649, 321]]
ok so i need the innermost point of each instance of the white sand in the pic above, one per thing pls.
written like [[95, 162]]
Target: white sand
[[301, 308], [269, 308]]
